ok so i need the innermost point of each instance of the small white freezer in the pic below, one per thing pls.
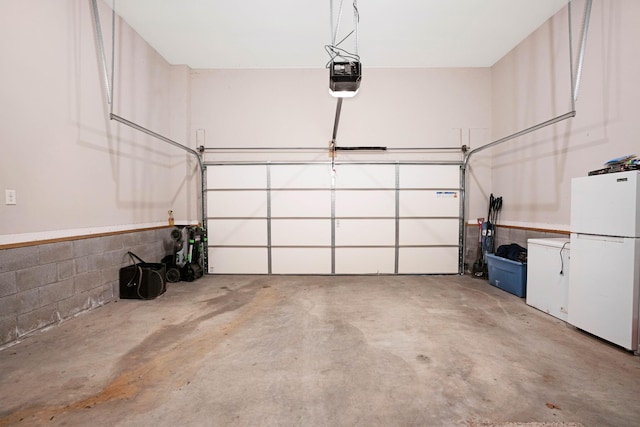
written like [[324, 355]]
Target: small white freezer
[[548, 275]]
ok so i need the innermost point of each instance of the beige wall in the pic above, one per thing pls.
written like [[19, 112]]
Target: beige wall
[[74, 171], [292, 107], [531, 84], [77, 172]]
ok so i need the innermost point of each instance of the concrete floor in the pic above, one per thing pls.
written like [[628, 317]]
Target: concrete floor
[[319, 351]]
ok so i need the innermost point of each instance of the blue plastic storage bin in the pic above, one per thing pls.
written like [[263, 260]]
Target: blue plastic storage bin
[[508, 275]]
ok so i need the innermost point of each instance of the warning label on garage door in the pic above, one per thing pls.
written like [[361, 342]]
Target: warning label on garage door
[[446, 194]]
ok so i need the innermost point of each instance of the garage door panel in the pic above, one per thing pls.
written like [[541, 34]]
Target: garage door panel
[[301, 232], [365, 232], [431, 231], [301, 176], [226, 232], [366, 176], [428, 260], [290, 207], [365, 260], [372, 203], [301, 260], [237, 176], [434, 176], [301, 204], [244, 204], [238, 260], [429, 203]]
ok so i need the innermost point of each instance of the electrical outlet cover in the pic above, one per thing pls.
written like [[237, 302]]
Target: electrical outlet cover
[[10, 197]]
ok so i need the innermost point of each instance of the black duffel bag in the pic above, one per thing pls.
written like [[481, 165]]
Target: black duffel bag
[[142, 280], [512, 251]]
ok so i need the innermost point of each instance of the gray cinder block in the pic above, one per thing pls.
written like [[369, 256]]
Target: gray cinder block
[[96, 262], [8, 284], [55, 252], [87, 281], [97, 245], [8, 329], [37, 319], [34, 277], [66, 269], [50, 294], [74, 305], [28, 301], [18, 258], [9, 305]]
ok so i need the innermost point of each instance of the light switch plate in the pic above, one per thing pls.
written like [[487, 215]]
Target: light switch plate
[[10, 197]]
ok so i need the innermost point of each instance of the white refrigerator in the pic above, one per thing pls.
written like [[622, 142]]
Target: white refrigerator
[[605, 257]]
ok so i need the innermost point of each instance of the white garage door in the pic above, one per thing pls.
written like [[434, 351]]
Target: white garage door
[[306, 219]]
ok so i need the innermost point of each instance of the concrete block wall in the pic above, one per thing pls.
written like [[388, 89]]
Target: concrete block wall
[[43, 284], [504, 236]]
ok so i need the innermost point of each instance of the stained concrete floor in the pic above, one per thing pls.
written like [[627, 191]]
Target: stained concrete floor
[[318, 351]]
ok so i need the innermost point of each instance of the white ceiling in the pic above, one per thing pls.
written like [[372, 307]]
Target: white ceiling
[[292, 33]]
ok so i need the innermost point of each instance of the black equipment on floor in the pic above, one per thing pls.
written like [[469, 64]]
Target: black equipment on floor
[[142, 280], [187, 260], [488, 236]]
